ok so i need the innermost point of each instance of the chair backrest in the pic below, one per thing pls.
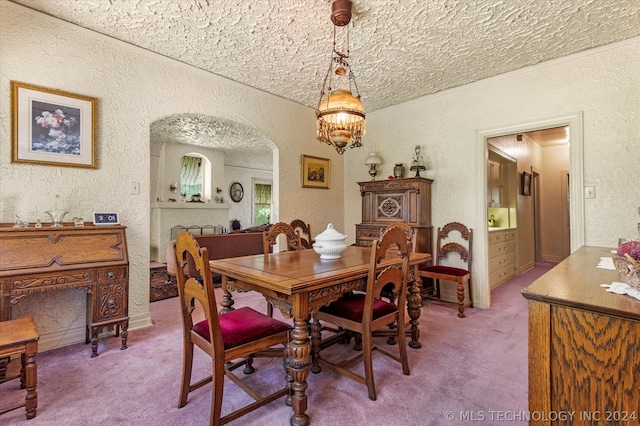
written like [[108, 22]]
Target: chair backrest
[[392, 279], [304, 231], [192, 290], [270, 237], [463, 245]]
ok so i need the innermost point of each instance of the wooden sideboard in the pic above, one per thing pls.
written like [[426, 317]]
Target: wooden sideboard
[[583, 344], [91, 258], [396, 200]]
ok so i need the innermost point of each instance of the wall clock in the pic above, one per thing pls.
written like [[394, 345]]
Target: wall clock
[[236, 192]]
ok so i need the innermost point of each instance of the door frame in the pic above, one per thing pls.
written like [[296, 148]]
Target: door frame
[[481, 290]]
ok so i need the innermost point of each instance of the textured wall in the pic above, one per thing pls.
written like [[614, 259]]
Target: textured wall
[[134, 88], [603, 83]]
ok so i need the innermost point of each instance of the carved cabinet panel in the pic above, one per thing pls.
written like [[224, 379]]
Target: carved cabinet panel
[[396, 200]]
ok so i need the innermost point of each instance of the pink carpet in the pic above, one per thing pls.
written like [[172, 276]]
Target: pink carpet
[[466, 367]]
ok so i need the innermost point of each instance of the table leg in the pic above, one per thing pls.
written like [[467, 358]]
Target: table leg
[[316, 339], [299, 352], [227, 300], [414, 308]]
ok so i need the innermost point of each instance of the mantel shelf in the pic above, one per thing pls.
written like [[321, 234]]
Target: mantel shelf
[[190, 206]]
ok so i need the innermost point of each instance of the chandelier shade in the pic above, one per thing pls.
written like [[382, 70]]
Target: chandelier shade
[[340, 115]]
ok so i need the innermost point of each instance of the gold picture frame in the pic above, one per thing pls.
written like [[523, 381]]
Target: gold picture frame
[[52, 127], [316, 172]]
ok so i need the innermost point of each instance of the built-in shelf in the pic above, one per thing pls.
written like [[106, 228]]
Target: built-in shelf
[[190, 206]]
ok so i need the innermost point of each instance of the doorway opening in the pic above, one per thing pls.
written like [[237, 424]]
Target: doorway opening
[[482, 293]]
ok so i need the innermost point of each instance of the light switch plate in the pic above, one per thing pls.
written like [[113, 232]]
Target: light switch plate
[[589, 192]]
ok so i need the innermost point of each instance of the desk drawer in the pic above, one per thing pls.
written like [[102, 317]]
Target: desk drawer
[[111, 298]]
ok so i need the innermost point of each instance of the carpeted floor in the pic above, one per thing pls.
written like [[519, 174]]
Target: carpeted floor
[[161, 286], [466, 368]]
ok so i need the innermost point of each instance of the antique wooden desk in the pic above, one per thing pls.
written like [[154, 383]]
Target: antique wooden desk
[[92, 258], [583, 344], [299, 283]]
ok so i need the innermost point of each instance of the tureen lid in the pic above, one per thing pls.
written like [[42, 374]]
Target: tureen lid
[[330, 234]]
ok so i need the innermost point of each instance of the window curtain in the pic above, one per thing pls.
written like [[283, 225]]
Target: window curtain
[[191, 175], [262, 200]]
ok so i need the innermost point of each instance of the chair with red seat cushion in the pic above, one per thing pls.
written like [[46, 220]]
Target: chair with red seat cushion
[[460, 273], [233, 336], [368, 314]]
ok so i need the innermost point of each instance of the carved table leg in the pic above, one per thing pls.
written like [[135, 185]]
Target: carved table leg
[[316, 338], [299, 360], [29, 378], [227, 300], [414, 307], [3, 368]]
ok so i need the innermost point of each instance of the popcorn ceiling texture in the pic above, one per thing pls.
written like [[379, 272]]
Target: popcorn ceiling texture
[[400, 50], [283, 47]]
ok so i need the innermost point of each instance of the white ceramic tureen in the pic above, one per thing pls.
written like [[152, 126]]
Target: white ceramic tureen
[[330, 243]]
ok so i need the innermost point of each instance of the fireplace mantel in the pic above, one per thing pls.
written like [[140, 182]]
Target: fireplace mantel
[[181, 205]]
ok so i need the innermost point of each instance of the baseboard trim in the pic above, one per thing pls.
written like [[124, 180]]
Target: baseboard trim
[[72, 336]]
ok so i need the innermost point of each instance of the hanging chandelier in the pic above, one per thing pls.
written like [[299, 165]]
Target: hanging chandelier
[[340, 114]]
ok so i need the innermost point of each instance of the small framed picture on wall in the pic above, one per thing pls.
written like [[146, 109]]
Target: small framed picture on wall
[[316, 172], [526, 183]]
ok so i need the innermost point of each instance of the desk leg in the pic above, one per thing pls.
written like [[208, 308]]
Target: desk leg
[[414, 308], [299, 360], [29, 379]]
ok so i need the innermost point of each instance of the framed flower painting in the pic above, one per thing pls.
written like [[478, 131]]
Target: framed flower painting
[[52, 127]]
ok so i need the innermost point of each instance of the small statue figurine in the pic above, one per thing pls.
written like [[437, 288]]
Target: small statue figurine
[[418, 163]]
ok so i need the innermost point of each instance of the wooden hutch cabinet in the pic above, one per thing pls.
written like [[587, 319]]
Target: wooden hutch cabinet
[[396, 200], [91, 258]]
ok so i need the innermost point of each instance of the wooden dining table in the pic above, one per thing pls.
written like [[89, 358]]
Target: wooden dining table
[[299, 283]]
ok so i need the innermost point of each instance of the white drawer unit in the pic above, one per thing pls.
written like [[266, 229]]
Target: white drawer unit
[[502, 256]]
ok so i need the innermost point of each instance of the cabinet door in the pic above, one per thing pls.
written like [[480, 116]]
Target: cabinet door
[[494, 174]]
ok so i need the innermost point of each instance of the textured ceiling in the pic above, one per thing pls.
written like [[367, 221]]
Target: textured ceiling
[[400, 49]]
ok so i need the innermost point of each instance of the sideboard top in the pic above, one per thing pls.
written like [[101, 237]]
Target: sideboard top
[[576, 282]]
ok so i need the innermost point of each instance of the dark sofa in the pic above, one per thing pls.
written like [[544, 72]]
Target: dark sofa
[[220, 246]]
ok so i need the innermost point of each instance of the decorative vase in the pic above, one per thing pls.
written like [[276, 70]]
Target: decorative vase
[[398, 171], [56, 217]]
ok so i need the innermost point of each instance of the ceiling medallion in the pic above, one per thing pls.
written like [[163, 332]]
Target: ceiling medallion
[[340, 114]]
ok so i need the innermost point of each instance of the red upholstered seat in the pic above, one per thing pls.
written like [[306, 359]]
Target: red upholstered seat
[[453, 239], [231, 340], [352, 307], [448, 270], [242, 326], [368, 315]]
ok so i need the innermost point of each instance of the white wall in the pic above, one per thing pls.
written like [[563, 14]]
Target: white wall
[[243, 211], [134, 87], [603, 84]]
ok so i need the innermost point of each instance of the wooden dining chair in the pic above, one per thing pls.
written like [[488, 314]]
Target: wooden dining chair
[[366, 313], [304, 230], [270, 238], [230, 339], [446, 249]]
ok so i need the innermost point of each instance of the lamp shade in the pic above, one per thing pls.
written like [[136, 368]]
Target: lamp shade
[[372, 158], [341, 119]]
